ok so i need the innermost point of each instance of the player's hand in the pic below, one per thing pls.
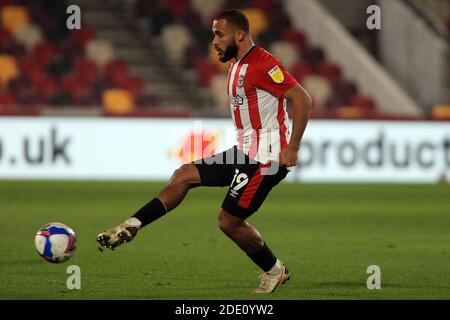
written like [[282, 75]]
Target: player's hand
[[288, 157]]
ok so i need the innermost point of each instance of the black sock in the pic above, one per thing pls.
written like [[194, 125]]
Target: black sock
[[264, 258], [150, 212]]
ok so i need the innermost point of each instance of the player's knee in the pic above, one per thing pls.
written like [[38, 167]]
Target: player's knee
[[185, 175], [227, 225]]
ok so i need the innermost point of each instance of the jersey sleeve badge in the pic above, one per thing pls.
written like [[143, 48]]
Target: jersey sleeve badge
[[276, 74]]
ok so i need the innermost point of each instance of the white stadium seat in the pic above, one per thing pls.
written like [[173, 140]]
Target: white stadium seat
[[99, 51], [28, 36], [175, 39]]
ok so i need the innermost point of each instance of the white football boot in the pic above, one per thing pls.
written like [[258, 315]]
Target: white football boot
[[269, 282], [123, 233]]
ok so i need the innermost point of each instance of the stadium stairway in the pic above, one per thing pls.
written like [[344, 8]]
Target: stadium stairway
[[143, 55]]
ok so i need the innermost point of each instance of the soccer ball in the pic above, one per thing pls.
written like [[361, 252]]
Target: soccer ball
[[55, 242]]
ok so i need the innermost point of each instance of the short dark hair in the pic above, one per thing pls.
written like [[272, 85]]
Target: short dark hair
[[236, 18]]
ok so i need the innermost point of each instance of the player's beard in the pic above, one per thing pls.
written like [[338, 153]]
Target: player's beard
[[230, 52]]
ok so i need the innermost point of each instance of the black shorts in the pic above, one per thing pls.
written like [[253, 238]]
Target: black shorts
[[249, 181]]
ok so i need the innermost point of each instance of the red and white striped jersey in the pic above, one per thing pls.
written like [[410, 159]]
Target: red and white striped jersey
[[256, 85]]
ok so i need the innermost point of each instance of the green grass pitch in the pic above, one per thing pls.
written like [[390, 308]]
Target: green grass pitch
[[327, 234]]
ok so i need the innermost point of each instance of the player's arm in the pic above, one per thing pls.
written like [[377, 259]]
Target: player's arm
[[301, 104]]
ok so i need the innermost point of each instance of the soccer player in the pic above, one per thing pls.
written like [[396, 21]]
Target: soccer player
[[258, 87]]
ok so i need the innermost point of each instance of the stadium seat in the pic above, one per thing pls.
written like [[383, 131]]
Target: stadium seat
[[86, 70], [206, 9], [268, 6], [441, 112], [206, 69], [133, 85], [178, 8], [350, 112], [7, 98], [319, 88], [116, 71], [46, 87], [43, 52], [286, 52], [8, 69], [99, 51], [345, 89], [295, 37], [117, 101], [25, 92], [82, 36], [14, 17], [5, 40], [75, 87], [258, 21], [29, 36], [330, 71], [314, 56], [29, 68], [175, 39], [301, 70]]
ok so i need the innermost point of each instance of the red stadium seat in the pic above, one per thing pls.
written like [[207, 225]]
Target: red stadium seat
[[75, 87], [206, 69], [314, 56], [268, 6], [331, 71], [134, 85], [301, 70], [7, 98], [178, 8], [295, 37], [46, 87], [43, 52], [82, 36], [116, 70], [85, 69], [5, 39], [29, 68], [4, 3]]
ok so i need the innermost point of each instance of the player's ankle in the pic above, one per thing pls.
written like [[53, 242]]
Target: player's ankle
[[133, 223], [277, 267]]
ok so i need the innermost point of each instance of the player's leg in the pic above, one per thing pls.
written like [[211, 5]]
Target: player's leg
[[183, 179], [252, 243], [211, 171], [245, 196]]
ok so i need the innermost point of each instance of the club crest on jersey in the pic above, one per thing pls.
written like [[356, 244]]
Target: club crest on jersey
[[240, 81], [237, 101], [276, 74]]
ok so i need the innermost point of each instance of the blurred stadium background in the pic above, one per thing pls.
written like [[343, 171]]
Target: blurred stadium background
[[118, 100], [153, 58]]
